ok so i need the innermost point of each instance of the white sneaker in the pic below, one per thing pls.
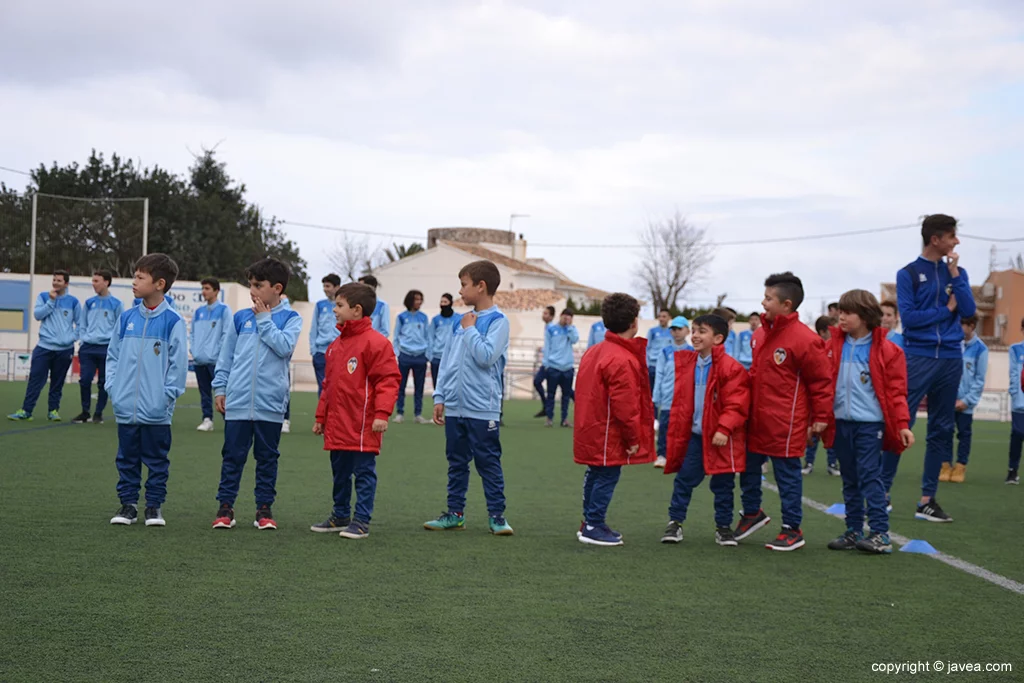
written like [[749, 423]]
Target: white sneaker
[[657, 425], [420, 420], [205, 426], [154, 517], [660, 462], [807, 469], [398, 419], [286, 427]]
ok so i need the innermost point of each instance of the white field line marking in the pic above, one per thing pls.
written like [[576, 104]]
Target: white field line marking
[[952, 561]]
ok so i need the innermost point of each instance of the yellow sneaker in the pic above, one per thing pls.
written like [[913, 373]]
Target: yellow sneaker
[[959, 473], [945, 472]]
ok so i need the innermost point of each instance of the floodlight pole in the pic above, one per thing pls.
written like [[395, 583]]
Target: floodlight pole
[[32, 270], [145, 226]]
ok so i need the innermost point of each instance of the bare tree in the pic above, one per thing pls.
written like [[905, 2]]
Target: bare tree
[[676, 255], [353, 257]]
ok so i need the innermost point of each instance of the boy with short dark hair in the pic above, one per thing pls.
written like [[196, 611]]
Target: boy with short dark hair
[[792, 393], [664, 381], [381, 315], [147, 363], [560, 363], [324, 328], [614, 415], [729, 316], [972, 383], [1016, 358], [209, 326], [359, 392], [470, 392], [411, 346], [251, 390], [707, 427], [100, 316]]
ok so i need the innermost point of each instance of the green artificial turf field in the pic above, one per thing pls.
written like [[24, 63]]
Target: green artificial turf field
[[84, 600]]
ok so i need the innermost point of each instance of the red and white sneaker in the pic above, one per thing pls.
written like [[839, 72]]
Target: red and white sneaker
[[264, 518], [225, 517], [788, 539]]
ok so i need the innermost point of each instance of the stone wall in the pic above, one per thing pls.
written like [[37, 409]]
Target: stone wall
[[470, 235]]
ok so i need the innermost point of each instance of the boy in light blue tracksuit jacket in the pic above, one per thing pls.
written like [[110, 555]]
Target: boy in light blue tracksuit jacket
[[209, 327], [468, 401], [1016, 358], [665, 381], [380, 319], [559, 363], [972, 382], [744, 347], [412, 344], [60, 316], [658, 337], [147, 362], [100, 317], [442, 327], [324, 328], [251, 389], [597, 332]]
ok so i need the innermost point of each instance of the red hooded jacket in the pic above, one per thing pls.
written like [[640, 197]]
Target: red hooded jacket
[[726, 404], [613, 404], [360, 386], [791, 386], [888, 368]]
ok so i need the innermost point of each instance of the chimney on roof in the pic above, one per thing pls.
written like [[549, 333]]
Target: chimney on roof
[[519, 249]]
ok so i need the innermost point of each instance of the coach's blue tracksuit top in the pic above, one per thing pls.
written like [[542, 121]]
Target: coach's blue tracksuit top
[[252, 369], [922, 292], [1016, 355], [324, 328], [972, 381], [558, 341], [167, 297], [597, 332], [381, 318], [744, 353], [99, 319], [473, 367], [700, 385], [209, 326], [658, 338], [60, 319], [665, 375], [855, 394], [412, 333], [441, 331], [147, 361]]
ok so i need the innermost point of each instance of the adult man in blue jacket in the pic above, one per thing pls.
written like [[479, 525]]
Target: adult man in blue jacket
[[100, 317], [933, 294]]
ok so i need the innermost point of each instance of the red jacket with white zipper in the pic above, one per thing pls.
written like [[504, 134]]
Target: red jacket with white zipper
[[726, 404], [360, 386], [613, 404], [791, 386], [888, 368]]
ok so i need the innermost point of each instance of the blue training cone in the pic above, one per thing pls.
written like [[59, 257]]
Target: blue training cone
[[838, 509], [917, 546]]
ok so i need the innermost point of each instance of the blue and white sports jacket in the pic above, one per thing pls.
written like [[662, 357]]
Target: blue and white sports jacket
[[412, 333], [744, 352], [1016, 371], [100, 317], [60, 321], [558, 343], [147, 361], [658, 338], [665, 375], [441, 331], [324, 328], [597, 332], [473, 368], [380, 319], [253, 367], [209, 326], [972, 381]]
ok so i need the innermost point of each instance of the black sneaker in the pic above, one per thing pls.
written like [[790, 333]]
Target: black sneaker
[[833, 470], [931, 512], [153, 517], [748, 524], [1013, 478], [128, 514], [725, 537], [848, 541], [876, 543], [80, 419], [673, 533], [97, 419], [541, 413], [332, 523]]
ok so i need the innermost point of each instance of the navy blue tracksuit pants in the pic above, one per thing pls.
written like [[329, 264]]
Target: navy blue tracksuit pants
[[139, 445], [689, 477], [417, 365], [858, 446], [939, 380], [320, 370], [47, 363], [558, 380], [92, 358], [598, 486], [964, 432], [538, 385], [478, 441], [787, 478], [435, 370], [239, 437], [663, 417], [812, 452], [1016, 438], [204, 377], [363, 466]]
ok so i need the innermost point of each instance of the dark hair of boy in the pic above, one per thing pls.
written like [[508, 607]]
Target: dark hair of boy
[[936, 225], [787, 287], [754, 314], [367, 280], [832, 304], [410, 299], [971, 320], [550, 310], [718, 324], [726, 314], [448, 296], [333, 278], [618, 311], [270, 269], [358, 294], [212, 281], [105, 274], [822, 324], [888, 303], [64, 274], [864, 305], [159, 267], [482, 271], [568, 312]]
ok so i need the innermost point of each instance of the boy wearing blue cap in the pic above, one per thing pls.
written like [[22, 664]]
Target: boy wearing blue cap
[[665, 381]]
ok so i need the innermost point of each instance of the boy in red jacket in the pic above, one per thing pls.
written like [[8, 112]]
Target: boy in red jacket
[[360, 388], [791, 398], [614, 414], [869, 374], [707, 427]]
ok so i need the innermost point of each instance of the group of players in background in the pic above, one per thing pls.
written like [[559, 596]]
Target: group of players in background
[[722, 403]]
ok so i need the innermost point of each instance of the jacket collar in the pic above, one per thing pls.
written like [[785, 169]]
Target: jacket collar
[[780, 322], [156, 311], [877, 336], [354, 327], [636, 346]]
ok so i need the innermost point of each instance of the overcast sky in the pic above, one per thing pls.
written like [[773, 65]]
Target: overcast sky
[[753, 118]]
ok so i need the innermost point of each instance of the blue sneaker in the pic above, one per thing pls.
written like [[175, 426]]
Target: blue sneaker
[[599, 535], [877, 543], [446, 521], [20, 416], [583, 525], [499, 526]]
